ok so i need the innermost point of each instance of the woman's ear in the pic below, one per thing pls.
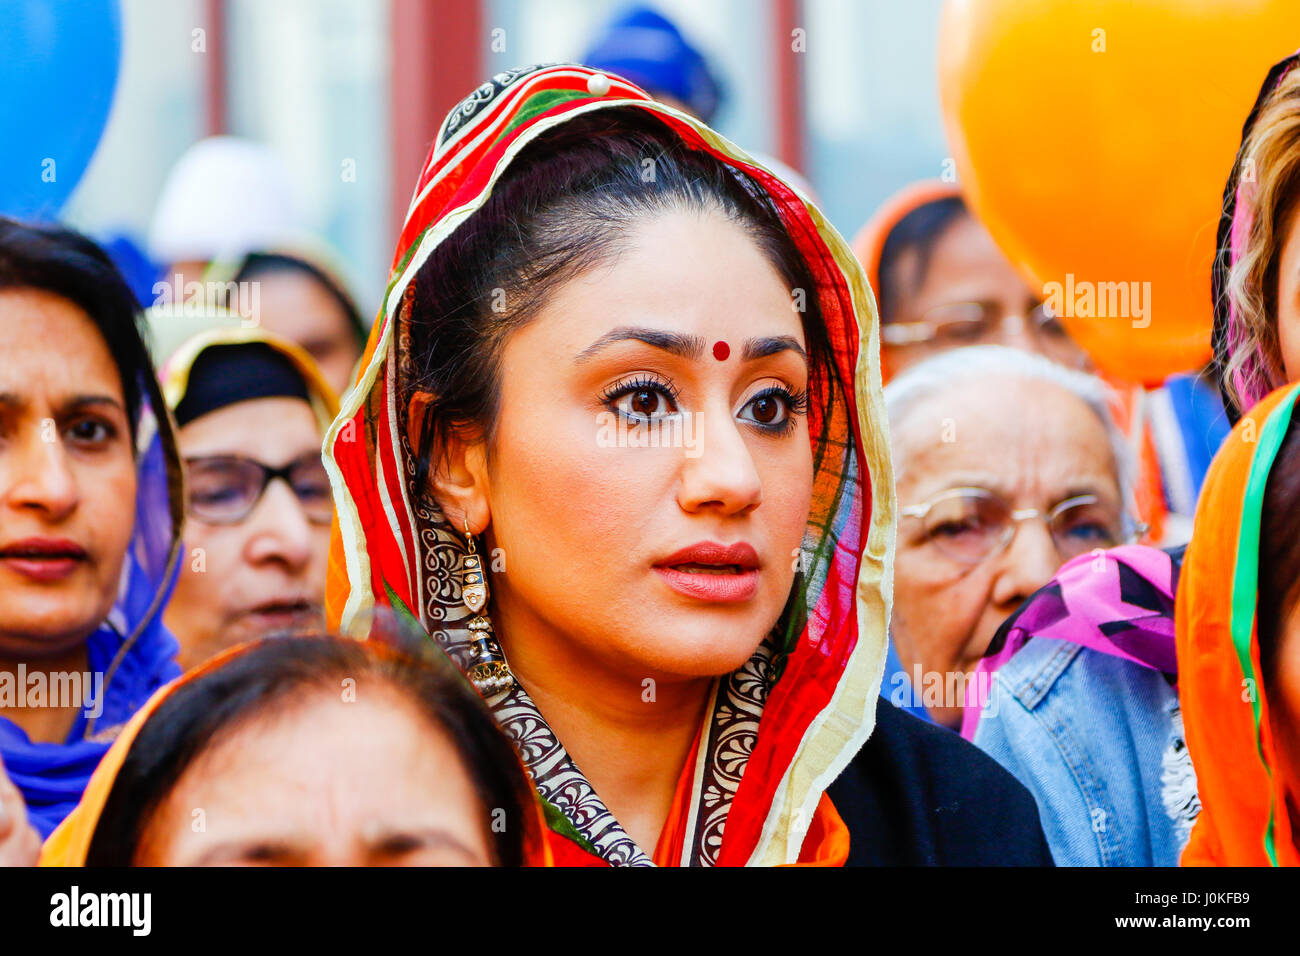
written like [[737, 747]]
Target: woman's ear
[[458, 481], [458, 473]]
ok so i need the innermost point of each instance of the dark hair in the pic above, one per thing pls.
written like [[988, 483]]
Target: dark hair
[[1279, 550], [69, 265], [919, 230], [269, 263], [564, 206], [279, 671]]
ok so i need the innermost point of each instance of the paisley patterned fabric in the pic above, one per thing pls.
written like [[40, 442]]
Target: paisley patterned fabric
[[772, 744]]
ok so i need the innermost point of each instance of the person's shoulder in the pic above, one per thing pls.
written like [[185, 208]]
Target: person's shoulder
[[920, 794], [1033, 672], [1076, 680], [945, 760]]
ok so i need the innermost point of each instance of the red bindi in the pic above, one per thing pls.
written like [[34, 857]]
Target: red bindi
[[721, 350]]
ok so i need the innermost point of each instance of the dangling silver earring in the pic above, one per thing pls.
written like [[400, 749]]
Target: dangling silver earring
[[487, 671]]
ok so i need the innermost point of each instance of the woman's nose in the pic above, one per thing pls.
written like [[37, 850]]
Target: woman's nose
[[40, 476], [1014, 332], [720, 472], [279, 530], [1026, 564]]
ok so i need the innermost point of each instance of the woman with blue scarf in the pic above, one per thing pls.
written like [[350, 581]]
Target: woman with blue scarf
[[90, 515]]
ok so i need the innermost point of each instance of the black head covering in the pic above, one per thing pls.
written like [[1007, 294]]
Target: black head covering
[[225, 374]]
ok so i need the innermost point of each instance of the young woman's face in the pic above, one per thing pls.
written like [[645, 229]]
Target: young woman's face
[[67, 476], [265, 573], [324, 782], [651, 473]]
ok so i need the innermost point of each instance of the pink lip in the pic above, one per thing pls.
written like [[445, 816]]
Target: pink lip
[[43, 559], [711, 587], [739, 583]]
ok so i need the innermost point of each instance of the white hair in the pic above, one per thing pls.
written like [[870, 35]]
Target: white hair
[[990, 366]]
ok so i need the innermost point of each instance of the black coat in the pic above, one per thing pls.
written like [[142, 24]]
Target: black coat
[[920, 795]]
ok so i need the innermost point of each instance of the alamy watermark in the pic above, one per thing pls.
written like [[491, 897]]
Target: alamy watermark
[[680, 430], [21, 688], [1099, 300], [931, 689], [194, 298]]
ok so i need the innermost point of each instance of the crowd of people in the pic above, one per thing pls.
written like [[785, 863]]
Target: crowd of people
[[875, 569]]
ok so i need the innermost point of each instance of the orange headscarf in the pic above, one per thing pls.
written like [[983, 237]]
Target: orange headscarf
[[69, 844], [1244, 819], [869, 244]]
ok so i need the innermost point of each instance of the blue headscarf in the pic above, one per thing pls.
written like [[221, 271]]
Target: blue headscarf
[[131, 648], [648, 49]]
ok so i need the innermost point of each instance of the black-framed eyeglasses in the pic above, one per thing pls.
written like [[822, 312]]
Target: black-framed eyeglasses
[[224, 489], [971, 524]]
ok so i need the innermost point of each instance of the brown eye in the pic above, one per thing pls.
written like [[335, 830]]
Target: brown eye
[[88, 431], [766, 409], [644, 402], [772, 410]]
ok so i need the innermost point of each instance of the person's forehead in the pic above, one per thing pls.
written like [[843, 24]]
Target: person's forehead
[[724, 289], [1003, 435], [965, 263], [253, 775], [43, 330], [297, 306], [272, 430]]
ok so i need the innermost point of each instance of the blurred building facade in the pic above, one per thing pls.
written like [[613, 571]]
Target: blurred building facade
[[349, 93]]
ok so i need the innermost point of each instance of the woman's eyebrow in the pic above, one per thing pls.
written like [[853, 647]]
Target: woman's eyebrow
[[691, 346], [81, 401], [72, 404], [1081, 487], [237, 849], [771, 345], [685, 346], [397, 840]]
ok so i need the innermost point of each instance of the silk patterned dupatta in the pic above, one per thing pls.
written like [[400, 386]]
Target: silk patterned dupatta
[[784, 725]]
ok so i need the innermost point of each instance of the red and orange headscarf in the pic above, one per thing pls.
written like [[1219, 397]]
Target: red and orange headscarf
[[1244, 819], [770, 746]]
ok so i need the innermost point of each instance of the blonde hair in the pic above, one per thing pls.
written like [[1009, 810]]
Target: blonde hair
[[1267, 178]]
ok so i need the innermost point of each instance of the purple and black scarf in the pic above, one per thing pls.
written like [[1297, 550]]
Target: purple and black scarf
[[1118, 602]]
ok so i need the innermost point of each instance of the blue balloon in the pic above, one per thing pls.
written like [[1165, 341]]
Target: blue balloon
[[58, 69]]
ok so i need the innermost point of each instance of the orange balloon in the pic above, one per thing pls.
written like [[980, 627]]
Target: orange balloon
[[1094, 138]]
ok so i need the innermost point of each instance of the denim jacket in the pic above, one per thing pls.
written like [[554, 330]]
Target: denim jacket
[[1098, 741]]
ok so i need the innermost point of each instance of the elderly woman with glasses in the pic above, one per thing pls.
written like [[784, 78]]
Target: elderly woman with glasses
[[1008, 466], [252, 409], [1020, 598]]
